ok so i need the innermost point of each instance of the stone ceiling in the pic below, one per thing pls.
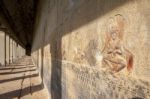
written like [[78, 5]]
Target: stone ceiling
[[20, 15]]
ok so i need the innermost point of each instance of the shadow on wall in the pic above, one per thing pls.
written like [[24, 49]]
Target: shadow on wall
[[56, 71], [55, 50], [89, 11], [42, 63]]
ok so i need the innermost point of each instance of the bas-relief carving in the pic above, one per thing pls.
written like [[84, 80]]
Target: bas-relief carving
[[114, 56], [92, 52], [102, 85], [77, 48]]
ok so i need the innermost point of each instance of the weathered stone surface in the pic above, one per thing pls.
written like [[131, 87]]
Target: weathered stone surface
[[89, 83], [77, 31], [2, 50]]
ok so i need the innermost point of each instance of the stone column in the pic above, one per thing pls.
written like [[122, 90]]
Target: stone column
[[2, 49]]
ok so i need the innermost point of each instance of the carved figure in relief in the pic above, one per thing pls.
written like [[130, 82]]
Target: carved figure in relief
[[115, 55]]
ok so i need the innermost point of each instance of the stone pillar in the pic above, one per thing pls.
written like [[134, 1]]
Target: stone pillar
[[2, 49], [11, 51], [7, 50], [17, 51], [14, 50]]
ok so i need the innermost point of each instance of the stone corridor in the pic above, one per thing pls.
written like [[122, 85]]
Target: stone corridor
[[74, 49], [21, 80]]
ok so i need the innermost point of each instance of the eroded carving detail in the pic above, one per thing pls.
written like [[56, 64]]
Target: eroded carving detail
[[115, 55]]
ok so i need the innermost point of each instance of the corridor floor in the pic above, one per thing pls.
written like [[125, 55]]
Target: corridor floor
[[21, 80]]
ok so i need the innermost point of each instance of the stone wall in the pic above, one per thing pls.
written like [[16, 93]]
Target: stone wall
[[93, 49]]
